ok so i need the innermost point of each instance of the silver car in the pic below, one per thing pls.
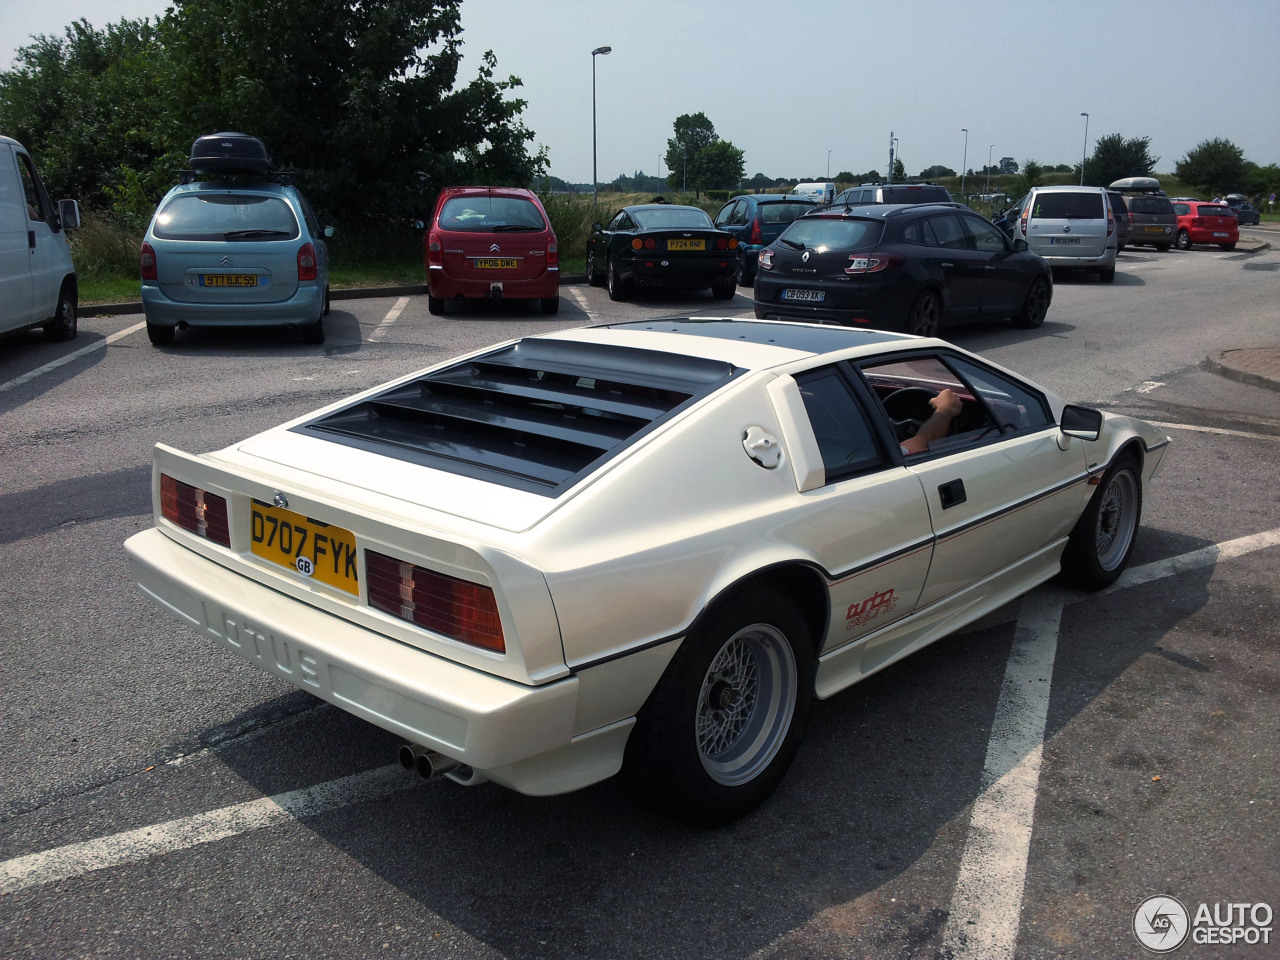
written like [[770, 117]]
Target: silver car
[[234, 253], [1073, 228]]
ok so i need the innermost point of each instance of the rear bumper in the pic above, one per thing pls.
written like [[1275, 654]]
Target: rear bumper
[[446, 287], [665, 271], [518, 735], [304, 307]]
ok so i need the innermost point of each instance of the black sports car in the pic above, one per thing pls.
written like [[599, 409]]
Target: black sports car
[[662, 244], [909, 267]]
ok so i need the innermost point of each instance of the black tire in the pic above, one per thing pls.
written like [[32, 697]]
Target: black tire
[[313, 333], [593, 275], [1107, 274], [550, 305], [160, 335], [1227, 246], [64, 325], [726, 290], [618, 289], [1184, 240], [1102, 540], [748, 279], [1162, 248], [1035, 306], [435, 306], [925, 315], [328, 304], [722, 726]]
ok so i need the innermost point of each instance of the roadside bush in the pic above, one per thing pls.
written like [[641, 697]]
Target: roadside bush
[[105, 247]]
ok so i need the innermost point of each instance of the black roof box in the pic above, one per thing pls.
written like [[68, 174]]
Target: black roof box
[[230, 153]]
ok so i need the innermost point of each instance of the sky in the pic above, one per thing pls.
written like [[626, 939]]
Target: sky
[[809, 89]]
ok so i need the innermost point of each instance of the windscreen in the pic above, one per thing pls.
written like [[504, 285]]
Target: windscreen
[[486, 214], [1151, 205], [672, 218], [1069, 206], [782, 212], [1215, 210], [822, 233], [226, 216]]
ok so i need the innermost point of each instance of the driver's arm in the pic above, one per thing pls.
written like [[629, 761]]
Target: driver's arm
[[946, 405]]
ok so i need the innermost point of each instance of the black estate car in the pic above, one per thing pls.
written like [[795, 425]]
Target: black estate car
[[911, 267]]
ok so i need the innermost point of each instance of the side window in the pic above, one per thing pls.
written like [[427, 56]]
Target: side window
[[985, 237], [844, 435], [913, 232], [1015, 408], [950, 233], [621, 221], [738, 217], [36, 209], [723, 216]]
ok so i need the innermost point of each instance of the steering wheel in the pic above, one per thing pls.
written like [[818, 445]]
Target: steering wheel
[[908, 409]]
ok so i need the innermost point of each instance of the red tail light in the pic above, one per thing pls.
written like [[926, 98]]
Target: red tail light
[[873, 263], [435, 252], [307, 262], [553, 253], [1111, 221], [147, 262], [456, 608], [204, 514], [756, 235], [1026, 214], [722, 243]]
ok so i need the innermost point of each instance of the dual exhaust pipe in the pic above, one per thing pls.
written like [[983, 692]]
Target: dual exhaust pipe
[[426, 762]]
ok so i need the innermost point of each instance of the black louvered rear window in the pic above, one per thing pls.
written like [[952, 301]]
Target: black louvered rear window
[[535, 415]]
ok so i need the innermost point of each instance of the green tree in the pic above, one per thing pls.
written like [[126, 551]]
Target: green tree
[[1214, 166], [717, 166], [844, 176], [899, 171], [936, 171], [693, 132], [1032, 176], [1115, 158]]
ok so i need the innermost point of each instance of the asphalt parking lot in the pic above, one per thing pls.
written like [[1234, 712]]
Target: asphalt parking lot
[[1015, 790]]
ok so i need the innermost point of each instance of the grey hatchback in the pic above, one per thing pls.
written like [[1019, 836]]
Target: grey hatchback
[[236, 251]]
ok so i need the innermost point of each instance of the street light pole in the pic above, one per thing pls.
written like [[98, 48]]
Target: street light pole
[[892, 141], [965, 161], [1085, 150], [829, 164], [989, 149], [595, 176]]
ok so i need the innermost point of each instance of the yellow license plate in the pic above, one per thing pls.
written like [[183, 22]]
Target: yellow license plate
[[314, 549], [682, 244], [1154, 229], [228, 280], [496, 263]]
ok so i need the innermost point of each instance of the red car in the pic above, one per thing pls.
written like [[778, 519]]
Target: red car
[[1205, 223], [491, 243]]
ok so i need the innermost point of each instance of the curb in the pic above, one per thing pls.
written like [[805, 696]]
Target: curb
[[350, 293], [1240, 376]]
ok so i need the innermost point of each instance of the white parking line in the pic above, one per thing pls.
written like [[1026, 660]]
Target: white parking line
[[55, 364], [580, 299], [392, 316], [133, 846], [988, 896], [1222, 431], [986, 905]]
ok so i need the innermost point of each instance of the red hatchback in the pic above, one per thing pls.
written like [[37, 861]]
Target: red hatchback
[[491, 243], [1205, 223]]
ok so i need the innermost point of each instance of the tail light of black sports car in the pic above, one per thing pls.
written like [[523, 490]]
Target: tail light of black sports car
[[873, 262], [193, 509], [457, 608]]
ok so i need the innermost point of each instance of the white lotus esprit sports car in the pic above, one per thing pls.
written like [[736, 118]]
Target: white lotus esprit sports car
[[643, 546]]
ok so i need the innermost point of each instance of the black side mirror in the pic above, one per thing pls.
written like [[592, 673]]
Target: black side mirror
[[1020, 245], [597, 227], [1081, 422]]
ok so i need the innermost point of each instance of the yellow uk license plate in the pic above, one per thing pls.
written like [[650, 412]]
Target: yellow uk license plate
[[681, 243], [228, 280], [496, 263], [314, 549]]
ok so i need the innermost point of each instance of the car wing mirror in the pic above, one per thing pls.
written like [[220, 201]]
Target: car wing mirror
[[597, 227], [329, 232], [1081, 422], [68, 214], [1019, 245]]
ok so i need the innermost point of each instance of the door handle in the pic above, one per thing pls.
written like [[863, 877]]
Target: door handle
[[951, 493], [31, 239], [948, 266]]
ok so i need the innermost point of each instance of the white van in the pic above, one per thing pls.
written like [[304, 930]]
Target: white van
[[818, 192], [37, 277]]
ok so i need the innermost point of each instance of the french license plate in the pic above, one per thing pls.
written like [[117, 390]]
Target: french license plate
[[314, 549], [808, 296], [1219, 233], [1059, 241], [496, 263], [228, 279], [682, 243]]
